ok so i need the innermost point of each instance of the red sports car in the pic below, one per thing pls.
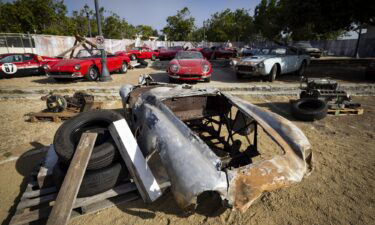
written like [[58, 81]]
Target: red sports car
[[169, 53], [23, 64], [142, 53], [87, 65], [189, 65], [216, 52]]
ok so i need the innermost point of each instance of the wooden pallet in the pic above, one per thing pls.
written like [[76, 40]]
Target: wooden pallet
[[40, 194], [346, 111], [65, 115]]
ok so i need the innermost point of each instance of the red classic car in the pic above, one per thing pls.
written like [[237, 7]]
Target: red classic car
[[216, 52], [189, 65], [142, 53], [87, 65], [23, 64], [169, 53]]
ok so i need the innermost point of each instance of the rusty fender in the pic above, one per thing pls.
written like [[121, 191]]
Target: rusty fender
[[247, 183]]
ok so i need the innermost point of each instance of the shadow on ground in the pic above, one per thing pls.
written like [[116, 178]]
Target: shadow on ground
[[25, 164]]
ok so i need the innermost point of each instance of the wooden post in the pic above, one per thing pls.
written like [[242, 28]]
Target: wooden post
[[62, 209], [128, 147]]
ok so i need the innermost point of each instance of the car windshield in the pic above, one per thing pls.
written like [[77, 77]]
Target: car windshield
[[175, 48], [272, 51], [189, 55], [137, 49], [94, 53], [303, 44]]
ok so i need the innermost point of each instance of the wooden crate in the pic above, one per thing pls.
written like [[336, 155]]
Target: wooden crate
[[65, 115], [37, 200]]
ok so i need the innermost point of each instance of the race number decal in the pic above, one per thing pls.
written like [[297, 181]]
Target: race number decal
[[9, 68]]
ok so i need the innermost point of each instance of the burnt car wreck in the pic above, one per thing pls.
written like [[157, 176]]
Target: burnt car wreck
[[203, 140]]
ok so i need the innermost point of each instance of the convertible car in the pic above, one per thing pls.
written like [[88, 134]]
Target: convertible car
[[189, 65], [23, 64], [200, 141], [272, 62], [87, 64], [142, 53]]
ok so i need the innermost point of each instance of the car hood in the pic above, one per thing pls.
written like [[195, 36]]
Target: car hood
[[189, 62], [69, 62], [254, 59]]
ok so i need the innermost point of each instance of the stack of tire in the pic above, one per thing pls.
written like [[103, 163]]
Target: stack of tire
[[105, 168]]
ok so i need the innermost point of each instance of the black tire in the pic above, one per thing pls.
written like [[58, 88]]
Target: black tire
[[133, 57], [153, 57], [207, 80], [92, 73], [94, 181], [172, 80], [124, 67], [302, 69], [67, 137], [309, 109], [273, 73]]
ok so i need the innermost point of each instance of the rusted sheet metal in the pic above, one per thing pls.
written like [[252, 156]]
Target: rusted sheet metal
[[247, 183]]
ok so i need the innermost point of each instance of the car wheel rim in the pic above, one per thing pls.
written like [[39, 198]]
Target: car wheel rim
[[124, 67], [93, 74]]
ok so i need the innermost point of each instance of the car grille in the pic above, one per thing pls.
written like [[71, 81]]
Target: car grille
[[245, 68], [191, 75], [59, 73]]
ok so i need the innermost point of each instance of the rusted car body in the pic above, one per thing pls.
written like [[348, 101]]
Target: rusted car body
[[194, 141]]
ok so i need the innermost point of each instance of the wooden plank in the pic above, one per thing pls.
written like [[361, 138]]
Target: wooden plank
[[134, 160], [69, 189], [42, 213], [47, 168], [346, 111]]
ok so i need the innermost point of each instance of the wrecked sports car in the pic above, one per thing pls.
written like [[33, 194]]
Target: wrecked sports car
[[203, 140]]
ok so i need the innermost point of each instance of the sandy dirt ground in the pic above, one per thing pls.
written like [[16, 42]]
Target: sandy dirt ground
[[341, 189], [220, 77]]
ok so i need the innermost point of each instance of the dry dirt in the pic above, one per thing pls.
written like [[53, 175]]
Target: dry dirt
[[339, 191]]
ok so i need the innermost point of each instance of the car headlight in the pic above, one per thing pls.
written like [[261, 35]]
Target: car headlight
[[205, 68], [174, 68], [77, 67], [233, 62], [45, 67], [261, 65]]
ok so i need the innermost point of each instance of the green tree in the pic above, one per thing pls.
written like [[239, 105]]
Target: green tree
[[146, 31], [180, 26], [230, 25]]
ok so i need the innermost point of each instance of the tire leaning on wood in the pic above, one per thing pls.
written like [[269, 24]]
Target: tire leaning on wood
[[309, 109]]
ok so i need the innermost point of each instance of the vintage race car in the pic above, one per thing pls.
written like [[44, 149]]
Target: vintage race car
[[142, 53], [189, 65], [200, 141], [216, 52], [23, 64], [169, 53], [272, 62], [87, 64]]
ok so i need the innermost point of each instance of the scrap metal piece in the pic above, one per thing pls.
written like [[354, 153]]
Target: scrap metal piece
[[160, 115]]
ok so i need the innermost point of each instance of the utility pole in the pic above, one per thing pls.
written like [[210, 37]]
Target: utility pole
[[105, 77], [356, 55]]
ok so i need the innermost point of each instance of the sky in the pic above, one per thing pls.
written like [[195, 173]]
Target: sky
[[155, 12]]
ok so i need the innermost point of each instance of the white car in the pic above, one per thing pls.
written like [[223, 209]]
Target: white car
[[272, 62]]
